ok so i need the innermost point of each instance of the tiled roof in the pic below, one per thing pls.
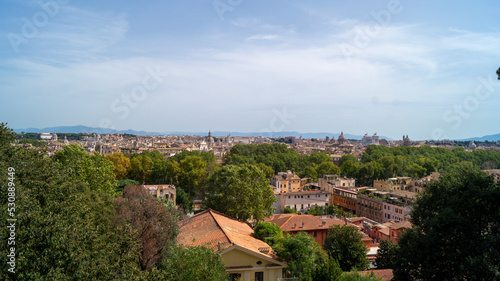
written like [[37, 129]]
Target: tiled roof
[[384, 274], [293, 222], [217, 231], [403, 224]]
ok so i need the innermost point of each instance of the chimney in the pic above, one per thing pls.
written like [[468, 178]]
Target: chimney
[[303, 224], [323, 223], [264, 250]]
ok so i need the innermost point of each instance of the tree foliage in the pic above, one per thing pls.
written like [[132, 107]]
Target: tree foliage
[[343, 244], [65, 228], [456, 233], [268, 232], [192, 264], [302, 254], [121, 165], [93, 170], [149, 221], [386, 254], [242, 192]]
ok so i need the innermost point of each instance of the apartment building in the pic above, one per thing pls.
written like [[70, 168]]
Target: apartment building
[[285, 182]]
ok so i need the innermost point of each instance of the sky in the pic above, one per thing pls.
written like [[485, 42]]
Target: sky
[[410, 67]]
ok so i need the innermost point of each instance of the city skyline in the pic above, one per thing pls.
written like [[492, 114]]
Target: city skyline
[[414, 68]]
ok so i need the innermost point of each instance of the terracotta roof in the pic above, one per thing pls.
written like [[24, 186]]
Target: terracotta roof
[[403, 224], [384, 230], [384, 274], [217, 231], [293, 222]]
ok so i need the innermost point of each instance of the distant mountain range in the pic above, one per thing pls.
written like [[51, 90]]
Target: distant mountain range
[[84, 129], [484, 138]]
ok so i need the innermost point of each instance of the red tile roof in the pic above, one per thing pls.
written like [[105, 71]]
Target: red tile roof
[[384, 274], [293, 222], [403, 224], [217, 231]]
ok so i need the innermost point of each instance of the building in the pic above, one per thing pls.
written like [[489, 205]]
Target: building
[[394, 212], [245, 257], [165, 191], [286, 182], [328, 182], [381, 206], [367, 140], [395, 230], [369, 207], [394, 184], [406, 141], [345, 199], [314, 226], [48, 136], [301, 201]]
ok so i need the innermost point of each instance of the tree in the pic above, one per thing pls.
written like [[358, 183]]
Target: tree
[[386, 254], [183, 200], [268, 171], [347, 157], [192, 174], [267, 232], [95, 171], [191, 264], [349, 169], [302, 254], [152, 223], [498, 73], [327, 168], [289, 210], [141, 168], [456, 229], [64, 229], [242, 192], [317, 158], [343, 244], [121, 165], [356, 276]]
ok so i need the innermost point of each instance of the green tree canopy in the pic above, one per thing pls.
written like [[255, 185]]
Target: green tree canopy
[[343, 244], [386, 254], [302, 254], [267, 232], [242, 192], [65, 229], [191, 264], [456, 230], [95, 171], [121, 165], [327, 168]]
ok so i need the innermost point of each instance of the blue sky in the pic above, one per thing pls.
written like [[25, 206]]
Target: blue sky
[[420, 68]]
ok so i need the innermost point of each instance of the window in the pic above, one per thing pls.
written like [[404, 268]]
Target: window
[[259, 276], [315, 234], [235, 276]]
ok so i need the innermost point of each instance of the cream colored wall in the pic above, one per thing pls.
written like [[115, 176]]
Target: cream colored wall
[[239, 258]]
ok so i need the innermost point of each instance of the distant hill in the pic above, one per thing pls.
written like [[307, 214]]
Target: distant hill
[[82, 129], [484, 138], [85, 129]]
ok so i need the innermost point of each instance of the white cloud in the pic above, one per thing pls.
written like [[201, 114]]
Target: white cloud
[[262, 37]]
